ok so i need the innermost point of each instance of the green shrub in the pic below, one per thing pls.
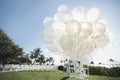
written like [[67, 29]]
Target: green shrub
[[62, 68], [102, 71]]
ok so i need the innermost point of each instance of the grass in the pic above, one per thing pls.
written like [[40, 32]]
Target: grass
[[47, 75]]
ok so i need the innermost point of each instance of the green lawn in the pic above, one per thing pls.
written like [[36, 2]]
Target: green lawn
[[47, 75]]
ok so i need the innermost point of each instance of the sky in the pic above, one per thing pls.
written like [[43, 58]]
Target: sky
[[22, 21]]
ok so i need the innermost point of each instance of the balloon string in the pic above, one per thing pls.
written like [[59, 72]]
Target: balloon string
[[75, 49], [77, 42]]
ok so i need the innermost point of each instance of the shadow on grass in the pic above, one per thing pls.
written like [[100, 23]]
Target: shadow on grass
[[64, 78]]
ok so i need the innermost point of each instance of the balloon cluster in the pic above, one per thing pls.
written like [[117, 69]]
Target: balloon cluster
[[74, 32]]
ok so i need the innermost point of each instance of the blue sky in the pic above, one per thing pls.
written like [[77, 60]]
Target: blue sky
[[22, 20]]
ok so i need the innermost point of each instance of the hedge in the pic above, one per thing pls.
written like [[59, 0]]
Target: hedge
[[97, 70], [113, 72]]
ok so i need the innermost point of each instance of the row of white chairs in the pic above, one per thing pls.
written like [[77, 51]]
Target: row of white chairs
[[31, 67]]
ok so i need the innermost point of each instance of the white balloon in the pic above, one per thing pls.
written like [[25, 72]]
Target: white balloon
[[75, 33], [62, 8], [73, 28], [48, 21], [103, 21], [85, 59], [110, 35], [100, 28], [78, 14], [52, 47], [48, 35], [66, 42], [93, 14], [101, 40], [56, 17], [58, 26], [86, 29], [59, 30], [86, 47], [63, 16]]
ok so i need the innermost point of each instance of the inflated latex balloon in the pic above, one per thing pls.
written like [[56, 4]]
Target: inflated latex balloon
[[66, 42], [86, 29], [100, 28], [59, 30], [75, 33], [86, 47], [58, 26], [47, 22], [48, 35], [63, 16], [78, 14], [62, 8], [101, 41], [85, 59], [73, 28], [93, 14], [52, 47]]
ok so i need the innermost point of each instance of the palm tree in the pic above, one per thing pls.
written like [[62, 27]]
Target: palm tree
[[91, 62], [100, 63], [50, 60], [36, 53], [47, 60], [61, 62], [42, 59], [111, 60]]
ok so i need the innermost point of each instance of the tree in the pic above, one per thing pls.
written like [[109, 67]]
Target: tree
[[100, 63], [32, 56], [25, 59], [8, 49], [42, 59], [35, 54], [61, 61], [15, 55], [111, 60], [91, 62], [50, 60]]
